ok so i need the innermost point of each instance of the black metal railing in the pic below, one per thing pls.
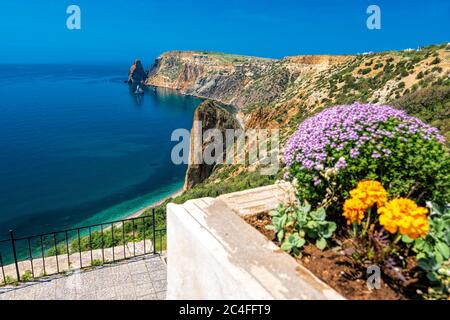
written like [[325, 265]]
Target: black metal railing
[[30, 257]]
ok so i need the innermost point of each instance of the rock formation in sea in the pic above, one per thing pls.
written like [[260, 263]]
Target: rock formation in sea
[[137, 73]]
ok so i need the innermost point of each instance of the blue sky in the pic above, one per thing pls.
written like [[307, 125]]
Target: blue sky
[[34, 31]]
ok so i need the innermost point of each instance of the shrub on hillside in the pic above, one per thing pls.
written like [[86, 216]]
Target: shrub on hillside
[[332, 151], [431, 105]]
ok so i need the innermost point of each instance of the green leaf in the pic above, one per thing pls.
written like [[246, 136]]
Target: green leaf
[[407, 239], [312, 234], [319, 214], [435, 209], [421, 256], [300, 243], [439, 258], [286, 246], [425, 265], [419, 244], [276, 221], [301, 217], [321, 243], [283, 220], [273, 213], [443, 249], [446, 237], [296, 252], [306, 208], [432, 277], [427, 247], [289, 223], [329, 229], [312, 225], [280, 236]]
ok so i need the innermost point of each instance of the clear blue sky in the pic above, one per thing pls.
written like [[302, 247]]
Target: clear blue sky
[[34, 31]]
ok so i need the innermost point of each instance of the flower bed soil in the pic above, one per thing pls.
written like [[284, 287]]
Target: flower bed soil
[[338, 271]]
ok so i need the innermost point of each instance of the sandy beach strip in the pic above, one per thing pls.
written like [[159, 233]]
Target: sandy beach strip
[[155, 204]]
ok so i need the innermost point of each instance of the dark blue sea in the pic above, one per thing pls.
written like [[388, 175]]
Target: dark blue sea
[[78, 147]]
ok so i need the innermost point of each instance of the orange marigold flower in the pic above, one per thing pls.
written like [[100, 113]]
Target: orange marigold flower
[[363, 197], [353, 210], [405, 216], [370, 192]]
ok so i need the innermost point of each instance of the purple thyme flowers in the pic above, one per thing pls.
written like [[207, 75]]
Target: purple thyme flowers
[[353, 126], [341, 164]]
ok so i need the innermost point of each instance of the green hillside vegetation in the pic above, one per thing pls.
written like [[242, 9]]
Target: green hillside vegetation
[[431, 105]]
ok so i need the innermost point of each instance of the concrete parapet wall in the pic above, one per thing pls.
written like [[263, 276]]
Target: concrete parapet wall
[[214, 254]]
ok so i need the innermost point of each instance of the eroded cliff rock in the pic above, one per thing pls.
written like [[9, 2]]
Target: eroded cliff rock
[[279, 93], [271, 93], [137, 73], [224, 78], [241, 81], [209, 115]]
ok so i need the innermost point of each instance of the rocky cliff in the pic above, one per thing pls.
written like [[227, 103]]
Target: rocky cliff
[[271, 93], [224, 78], [278, 93], [211, 115]]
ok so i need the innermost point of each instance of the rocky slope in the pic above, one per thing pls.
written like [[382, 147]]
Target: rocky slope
[[279, 93], [209, 75], [270, 93]]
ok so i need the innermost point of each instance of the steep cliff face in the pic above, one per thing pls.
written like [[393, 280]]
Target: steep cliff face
[[241, 81], [221, 77], [210, 115], [137, 73], [278, 93]]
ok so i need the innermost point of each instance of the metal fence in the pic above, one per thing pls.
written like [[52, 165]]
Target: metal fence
[[31, 257]]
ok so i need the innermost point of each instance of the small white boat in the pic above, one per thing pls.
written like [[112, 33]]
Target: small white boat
[[138, 90]]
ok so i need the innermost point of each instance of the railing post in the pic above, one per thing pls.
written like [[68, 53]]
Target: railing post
[[154, 230], [13, 242], [3, 269]]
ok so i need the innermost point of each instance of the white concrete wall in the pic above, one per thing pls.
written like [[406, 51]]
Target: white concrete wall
[[198, 266], [214, 254]]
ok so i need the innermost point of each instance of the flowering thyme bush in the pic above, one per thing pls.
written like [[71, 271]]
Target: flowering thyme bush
[[335, 149]]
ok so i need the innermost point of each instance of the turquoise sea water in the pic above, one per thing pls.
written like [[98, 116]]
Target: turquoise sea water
[[77, 147]]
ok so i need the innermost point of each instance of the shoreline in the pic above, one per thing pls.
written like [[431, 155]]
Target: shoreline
[[154, 204]]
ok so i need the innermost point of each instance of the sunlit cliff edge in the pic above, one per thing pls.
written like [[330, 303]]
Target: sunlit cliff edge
[[280, 93]]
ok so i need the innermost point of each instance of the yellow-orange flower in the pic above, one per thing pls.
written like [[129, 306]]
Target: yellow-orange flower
[[353, 210], [405, 216], [363, 197], [370, 192]]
